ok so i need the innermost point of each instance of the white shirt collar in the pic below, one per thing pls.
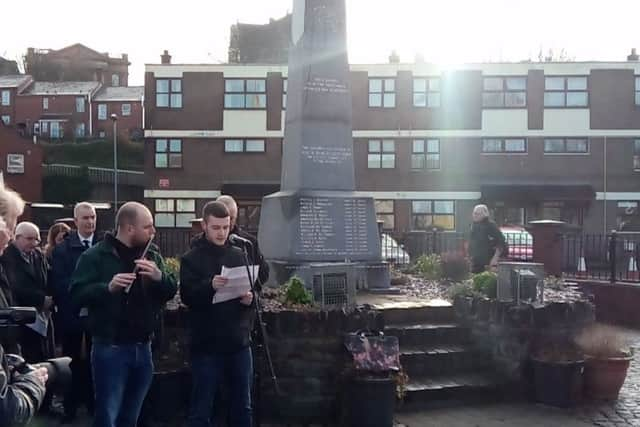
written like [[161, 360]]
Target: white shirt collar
[[82, 238]]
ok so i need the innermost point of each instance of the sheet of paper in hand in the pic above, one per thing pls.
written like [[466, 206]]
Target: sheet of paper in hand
[[238, 283]]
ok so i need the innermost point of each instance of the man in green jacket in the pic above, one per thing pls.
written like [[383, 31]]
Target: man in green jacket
[[124, 293]]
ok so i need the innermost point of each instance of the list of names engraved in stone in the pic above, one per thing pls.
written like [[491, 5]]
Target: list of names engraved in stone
[[355, 226], [317, 226]]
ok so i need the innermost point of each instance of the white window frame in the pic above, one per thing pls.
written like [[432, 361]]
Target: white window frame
[[386, 92], [565, 142], [503, 146], [432, 212], [236, 145], [80, 104], [173, 93], [506, 88], [6, 119], [566, 90], [15, 163], [103, 111], [125, 111], [426, 92], [45, 103], [5, 98], [174, 213], [253, 97], [380, 151]]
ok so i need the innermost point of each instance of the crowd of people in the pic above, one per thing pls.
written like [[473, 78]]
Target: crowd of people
[[98, 299]]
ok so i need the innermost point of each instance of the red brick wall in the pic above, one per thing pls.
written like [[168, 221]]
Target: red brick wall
[[29, 183], [29, 110], [125, 123]]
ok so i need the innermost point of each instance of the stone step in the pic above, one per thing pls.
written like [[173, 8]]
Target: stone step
[[441, 359], [428, 333], [452, 389], [418, 313]]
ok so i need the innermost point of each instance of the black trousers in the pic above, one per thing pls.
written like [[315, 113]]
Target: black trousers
[[77, 346]]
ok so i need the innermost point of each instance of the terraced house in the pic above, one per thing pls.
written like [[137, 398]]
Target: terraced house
[[549, 140]]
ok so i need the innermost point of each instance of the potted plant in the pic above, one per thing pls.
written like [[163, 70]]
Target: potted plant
[[557, 374], [607, 359]]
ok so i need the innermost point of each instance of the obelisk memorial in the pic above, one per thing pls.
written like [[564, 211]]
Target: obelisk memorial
[[317, 217]]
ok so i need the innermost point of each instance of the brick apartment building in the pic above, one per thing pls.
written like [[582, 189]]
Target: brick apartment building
[[77, 63], [532, 140], [69, 110], [21, 164], [126, 104]]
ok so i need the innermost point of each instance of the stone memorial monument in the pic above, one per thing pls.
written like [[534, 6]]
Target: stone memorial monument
[[317, 222]]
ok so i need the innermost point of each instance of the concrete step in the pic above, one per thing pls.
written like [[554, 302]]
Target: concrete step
[[428, 333], [452, 389], [416, 313], [441, 359]]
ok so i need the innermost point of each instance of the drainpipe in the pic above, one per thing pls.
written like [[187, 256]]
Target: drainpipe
[[90, 115], [604, 225]]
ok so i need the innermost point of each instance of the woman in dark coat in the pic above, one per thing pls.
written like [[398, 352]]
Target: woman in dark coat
[[486, 242]]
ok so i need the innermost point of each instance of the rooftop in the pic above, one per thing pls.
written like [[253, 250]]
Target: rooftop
[[62, 88], [14, 80], [130, 93]]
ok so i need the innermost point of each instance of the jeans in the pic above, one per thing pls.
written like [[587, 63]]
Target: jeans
[[122, 376], [208, 372]]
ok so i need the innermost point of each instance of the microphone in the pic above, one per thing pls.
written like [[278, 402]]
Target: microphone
[[234, 239]]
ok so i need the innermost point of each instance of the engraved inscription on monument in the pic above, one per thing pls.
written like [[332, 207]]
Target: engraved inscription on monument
[[332, 227], [326, 155]]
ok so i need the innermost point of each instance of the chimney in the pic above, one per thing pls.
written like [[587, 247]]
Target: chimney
[[634, 56], [165, 58], [125, 57], [394, 58]]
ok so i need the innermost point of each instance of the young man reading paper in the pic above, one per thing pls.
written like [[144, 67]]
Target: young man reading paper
[[220, 327]]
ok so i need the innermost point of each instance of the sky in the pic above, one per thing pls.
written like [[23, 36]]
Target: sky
[[445, 32]]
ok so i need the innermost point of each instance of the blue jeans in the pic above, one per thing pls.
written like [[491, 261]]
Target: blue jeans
[[122, 376], [208, 372]]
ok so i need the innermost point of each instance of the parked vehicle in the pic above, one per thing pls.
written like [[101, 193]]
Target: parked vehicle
[[519, 243], [392, 251]]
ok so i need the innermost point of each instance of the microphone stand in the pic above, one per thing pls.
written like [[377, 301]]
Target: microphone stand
[[258, 308]]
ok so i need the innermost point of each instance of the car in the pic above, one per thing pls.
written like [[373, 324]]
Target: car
[[519, 243], [392, 251]]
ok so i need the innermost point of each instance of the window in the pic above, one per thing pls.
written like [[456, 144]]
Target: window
[[45, 103], [6, 120], [126, 109], [425, 154], [169, 93], [385, 213], [504, 92], [382, 93], [80, 104], [174, 212], [6, 97], [566, 146], [245, 94], [79, 130], [102, 111], [168, 153], [115, 80], [284, 93], [561, 211], [637, 90], [636, 155], [241, 145], [504, 145], [426, 214], [248, 215], [15, 163], [566, 92], [426, 92], [382, 154], [628, 216]]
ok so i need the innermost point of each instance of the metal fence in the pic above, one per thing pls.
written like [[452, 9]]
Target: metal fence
[[612, 257]]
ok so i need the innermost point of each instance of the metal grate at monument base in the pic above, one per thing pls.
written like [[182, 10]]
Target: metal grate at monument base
[[332, 290]]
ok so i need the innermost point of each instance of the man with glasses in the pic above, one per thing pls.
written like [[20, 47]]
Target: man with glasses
[[26, 269]]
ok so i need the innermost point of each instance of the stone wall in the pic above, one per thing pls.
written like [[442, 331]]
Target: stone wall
[[511, 333], [309, 359]]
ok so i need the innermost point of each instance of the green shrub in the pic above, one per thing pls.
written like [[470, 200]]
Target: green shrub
[[428, 266], [173, 265], [296, 293], [464, 289], [486, 283], [454, 266]]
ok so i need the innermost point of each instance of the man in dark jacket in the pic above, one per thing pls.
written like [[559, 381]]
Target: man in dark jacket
[[253, 252], [26, 270], [71, 326], [220, 331], [124, 293]]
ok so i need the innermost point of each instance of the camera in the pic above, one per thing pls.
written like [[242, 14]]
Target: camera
[[58, 368]]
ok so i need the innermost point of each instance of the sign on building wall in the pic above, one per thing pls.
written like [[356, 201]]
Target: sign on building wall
[[15, 163]]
